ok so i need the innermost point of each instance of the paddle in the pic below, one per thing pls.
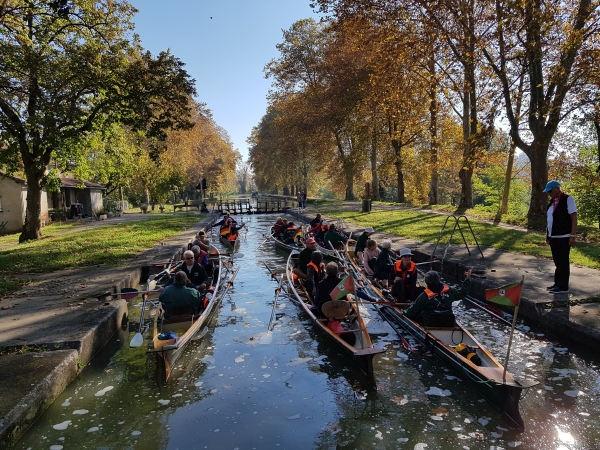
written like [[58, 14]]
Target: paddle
[[129, 293], [277, 291], [271, 272], [259, 245], [493, 311], [138, 339]]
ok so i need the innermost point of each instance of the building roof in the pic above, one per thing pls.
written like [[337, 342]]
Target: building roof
[[12, 177], [74, 183]]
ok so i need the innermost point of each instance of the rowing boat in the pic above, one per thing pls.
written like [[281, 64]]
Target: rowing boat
[[232, 246], [488, 376], [186, 325], [363, 350], [282, 245]]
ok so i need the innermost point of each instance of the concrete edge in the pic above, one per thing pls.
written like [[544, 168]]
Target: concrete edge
[[37, 400]]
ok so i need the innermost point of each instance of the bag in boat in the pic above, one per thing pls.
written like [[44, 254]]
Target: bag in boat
[[469, 353], [337, 327], [438, 319], [166, 336]]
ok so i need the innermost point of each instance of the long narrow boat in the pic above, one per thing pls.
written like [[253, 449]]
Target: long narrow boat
[[363, 350], [282, 245], [232, 246], [488, 376], [185, 326]]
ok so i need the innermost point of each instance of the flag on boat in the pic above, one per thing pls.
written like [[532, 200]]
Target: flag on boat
[[344, 287], [508, 295]]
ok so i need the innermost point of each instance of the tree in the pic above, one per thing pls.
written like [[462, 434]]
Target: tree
[[544, 42], [65, 66]]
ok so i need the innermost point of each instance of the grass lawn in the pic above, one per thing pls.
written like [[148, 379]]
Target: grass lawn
[[110, 245], [425, 227]]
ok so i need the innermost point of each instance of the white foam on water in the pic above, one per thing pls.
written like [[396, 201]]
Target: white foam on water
[[56, 447], [104, 391], [439, 392], [66, 402], [584, 414], [436, 417], [402, 355], [239, 359], [574, 393], [80, 412], [298, 361], [213, 391], [496, 435], [136, 433], [62, 426], [456, 428], [198, 383], [294, 417], [91, 430], [379, 435], [514, 444], [420, 446], [164, 402], [402, 440], [483, 421]]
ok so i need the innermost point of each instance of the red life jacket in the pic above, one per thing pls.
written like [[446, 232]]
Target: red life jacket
[[232, 237], [403, 273], [432, 294]]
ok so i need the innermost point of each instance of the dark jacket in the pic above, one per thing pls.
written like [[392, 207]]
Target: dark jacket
[[305, 257], [361, 243], [324, 289], [424, 303], [180, 297], [197, 275], [384, 263]]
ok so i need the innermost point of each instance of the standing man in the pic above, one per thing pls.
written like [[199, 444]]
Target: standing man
[[560, 233]]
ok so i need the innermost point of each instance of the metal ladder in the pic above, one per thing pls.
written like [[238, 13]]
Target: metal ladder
[[456, 225]]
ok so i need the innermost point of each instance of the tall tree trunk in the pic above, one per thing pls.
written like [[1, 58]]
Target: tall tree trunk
[[469, 130], [32, 228], [538, 157], [433, 134], [349, 175], [508, 177], [374, 175], [397, 145]]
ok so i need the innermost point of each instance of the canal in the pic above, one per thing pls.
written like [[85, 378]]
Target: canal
[[239, 387]]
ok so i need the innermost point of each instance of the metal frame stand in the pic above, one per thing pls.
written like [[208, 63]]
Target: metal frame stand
[[456, 225]]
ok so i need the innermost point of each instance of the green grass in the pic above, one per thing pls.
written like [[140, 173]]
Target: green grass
[[425, 227], [110, 245]]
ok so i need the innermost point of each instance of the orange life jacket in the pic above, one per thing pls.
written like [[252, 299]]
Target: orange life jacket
[[232, 237], [403, 273], [324, 228], [432, 294], [314, 266]]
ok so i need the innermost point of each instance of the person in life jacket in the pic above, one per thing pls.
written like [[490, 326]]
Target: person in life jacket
[[277, 228], [404, 280], [315, 272], [233, 232], [289, 234], [438, 297], [323, 228]]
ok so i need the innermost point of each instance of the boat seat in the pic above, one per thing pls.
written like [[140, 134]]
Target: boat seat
[[183, 314]]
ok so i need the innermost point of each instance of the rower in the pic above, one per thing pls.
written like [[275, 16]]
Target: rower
[[404, 278], [361, 242], [305, 257], [336, 239], [315, 272], [195, 272], [178, 295], [434, 306]]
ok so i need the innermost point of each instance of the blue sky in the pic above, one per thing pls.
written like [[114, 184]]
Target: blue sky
[[225, 54]]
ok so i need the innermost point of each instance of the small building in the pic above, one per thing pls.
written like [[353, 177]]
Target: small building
[[13, 203], [87, 196]]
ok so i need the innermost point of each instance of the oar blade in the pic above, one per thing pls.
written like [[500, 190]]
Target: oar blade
[[137, 341]]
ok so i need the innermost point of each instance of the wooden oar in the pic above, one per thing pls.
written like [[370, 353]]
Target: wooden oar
[[138, 339], [277, 291], [259, 245], [493, 311], [129, 293], [271, 272]]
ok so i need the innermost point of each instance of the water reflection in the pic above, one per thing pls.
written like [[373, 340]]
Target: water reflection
[[241, 387]]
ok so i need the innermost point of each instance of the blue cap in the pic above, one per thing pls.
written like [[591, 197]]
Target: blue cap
[[551, 185]]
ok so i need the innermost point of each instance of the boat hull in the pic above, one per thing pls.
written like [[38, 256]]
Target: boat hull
[[362, 352], [490, 379], [168, 352]]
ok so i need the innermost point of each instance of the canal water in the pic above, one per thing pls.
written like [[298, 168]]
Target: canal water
[[239, 387]]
